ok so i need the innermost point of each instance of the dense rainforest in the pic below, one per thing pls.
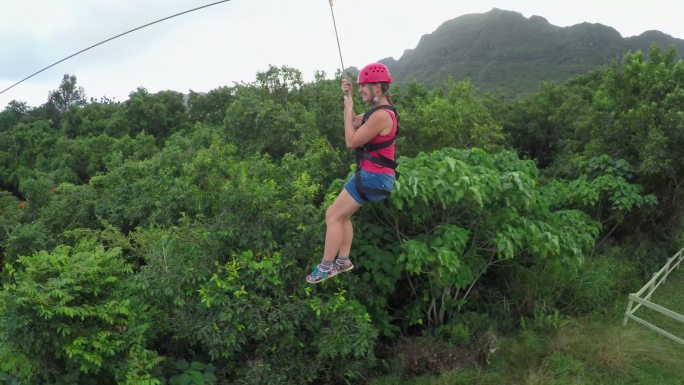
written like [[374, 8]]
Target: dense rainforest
[[165, 239]]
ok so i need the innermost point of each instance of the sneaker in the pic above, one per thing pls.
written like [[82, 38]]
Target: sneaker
[[319, 275], [341, 268]]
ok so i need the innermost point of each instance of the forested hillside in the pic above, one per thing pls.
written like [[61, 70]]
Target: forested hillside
[[505, 52], [158, 241]]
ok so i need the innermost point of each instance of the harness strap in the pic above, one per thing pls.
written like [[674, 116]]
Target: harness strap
[[364, 153], [378, 146], [381, 160]]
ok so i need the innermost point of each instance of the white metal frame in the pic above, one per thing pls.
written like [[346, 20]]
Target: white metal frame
[[645, 300]]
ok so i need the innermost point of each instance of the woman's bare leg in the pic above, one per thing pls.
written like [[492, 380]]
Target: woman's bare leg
[[339, 232], [345, 248]]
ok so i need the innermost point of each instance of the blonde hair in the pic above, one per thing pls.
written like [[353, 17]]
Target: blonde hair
[[384, 87]]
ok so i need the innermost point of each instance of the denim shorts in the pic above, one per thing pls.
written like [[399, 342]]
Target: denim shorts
[[370, 180]]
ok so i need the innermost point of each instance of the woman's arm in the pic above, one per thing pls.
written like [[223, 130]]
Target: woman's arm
[[355, 136], [349, 128], [357, 121], [369, 130]]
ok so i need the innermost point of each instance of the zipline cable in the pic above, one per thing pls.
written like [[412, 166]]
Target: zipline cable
[[337, 37], [112, 38]]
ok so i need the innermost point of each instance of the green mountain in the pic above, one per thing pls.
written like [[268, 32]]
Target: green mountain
[[504, 51]]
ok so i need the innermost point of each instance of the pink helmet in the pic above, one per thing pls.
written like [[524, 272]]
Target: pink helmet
[[374, 73]]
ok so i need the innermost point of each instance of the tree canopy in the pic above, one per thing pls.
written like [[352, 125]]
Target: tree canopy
[[165, 239]]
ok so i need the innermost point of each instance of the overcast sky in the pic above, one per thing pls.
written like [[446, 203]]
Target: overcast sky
[[231, 42]]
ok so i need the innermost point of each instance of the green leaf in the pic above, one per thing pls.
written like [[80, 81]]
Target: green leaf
[[184, 379], [182, 365], [209, 378], [197, 377]]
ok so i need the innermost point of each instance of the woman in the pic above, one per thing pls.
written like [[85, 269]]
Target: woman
[[372, 135]]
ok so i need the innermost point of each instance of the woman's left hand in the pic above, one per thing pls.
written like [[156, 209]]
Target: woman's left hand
[[347, 89], [348, 101]]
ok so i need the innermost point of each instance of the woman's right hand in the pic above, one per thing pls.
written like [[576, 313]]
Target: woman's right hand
[[347, 87]]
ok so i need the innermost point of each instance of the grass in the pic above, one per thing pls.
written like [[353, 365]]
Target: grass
[[593, 350]]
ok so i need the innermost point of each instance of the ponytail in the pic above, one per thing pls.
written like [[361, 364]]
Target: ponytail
[[384, 87]]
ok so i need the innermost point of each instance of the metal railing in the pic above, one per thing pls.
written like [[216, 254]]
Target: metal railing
[[645, 300]]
